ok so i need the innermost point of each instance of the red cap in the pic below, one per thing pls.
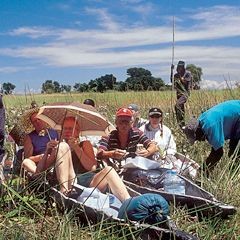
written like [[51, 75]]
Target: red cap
[[124, 112]]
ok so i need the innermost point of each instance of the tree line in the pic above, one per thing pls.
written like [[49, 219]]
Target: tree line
[[138, 79]]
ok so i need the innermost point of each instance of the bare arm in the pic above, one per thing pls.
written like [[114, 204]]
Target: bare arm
[[28, 147], [116, 154], [49, 157], [151, 149], [85, 153]]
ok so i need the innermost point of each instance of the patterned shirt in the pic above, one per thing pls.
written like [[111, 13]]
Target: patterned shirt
[[135, 137]]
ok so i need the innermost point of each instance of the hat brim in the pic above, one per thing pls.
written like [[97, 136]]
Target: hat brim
[[154, 113], [123, 115]]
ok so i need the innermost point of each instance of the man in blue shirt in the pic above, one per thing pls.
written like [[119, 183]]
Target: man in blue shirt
[[219, 123]]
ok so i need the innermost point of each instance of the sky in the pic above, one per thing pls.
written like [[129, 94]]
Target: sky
[[75, 41]]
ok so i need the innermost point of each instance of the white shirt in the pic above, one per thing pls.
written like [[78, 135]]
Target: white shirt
[[166, 142]]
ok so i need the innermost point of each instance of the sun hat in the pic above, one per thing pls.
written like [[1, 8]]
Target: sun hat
[[23, 126], [133, 107], [190, 130], [155, 111], [124, 112]]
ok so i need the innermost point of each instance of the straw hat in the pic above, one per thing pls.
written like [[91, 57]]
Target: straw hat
[[23, 126]]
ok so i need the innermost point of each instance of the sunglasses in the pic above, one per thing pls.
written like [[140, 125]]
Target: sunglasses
[[124, 121], [155, 116]]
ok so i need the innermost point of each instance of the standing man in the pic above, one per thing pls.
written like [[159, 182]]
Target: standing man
[[182, 83], [219, 123]]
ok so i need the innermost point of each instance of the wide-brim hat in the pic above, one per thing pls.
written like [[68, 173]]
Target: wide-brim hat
[[23, 126], [190, 130]]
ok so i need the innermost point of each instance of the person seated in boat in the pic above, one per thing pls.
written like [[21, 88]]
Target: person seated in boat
[[137, 120], [123, 141], [36, 143], [82, 156], [155, 130]]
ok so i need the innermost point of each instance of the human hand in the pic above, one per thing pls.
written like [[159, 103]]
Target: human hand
[[119, 154], [52, 144], [143, 153], [73, 143]]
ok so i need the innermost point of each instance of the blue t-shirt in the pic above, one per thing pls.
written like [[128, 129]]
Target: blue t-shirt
[[221, 122], [40, 142]]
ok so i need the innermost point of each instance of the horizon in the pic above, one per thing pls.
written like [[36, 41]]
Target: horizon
[[76, 41]]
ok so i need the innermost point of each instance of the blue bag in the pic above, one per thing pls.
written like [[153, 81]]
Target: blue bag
[[149, 208]]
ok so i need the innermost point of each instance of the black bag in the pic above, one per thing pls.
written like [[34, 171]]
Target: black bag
[[148, 178]]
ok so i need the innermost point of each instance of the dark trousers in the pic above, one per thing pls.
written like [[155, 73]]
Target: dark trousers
[[216, 155], [180, 109]]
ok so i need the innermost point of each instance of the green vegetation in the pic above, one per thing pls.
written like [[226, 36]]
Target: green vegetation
[[139, 79], [25, 214]]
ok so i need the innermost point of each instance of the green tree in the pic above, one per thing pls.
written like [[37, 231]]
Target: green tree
[[142, 79], [8, 88], [120, 86], [109, 81], [49, 87], [57, 87], [196, 75], [81, 87], [66, 88]]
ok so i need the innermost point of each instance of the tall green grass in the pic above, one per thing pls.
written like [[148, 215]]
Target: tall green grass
[[25, 215]]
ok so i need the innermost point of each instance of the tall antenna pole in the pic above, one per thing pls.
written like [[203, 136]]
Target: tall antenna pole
[[172, 64], [173, 44]]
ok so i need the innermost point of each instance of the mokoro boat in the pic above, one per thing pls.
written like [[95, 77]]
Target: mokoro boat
[[197, 200], [89, 214]]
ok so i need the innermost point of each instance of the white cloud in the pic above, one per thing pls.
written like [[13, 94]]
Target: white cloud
[[210, 84], [106, 20], [116, 45], [14, 69]]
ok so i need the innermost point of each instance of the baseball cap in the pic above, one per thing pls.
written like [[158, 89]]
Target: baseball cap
[[190, 130], [124, 112], [133, 107], [155, 111]]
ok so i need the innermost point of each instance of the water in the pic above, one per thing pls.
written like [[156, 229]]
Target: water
[[173, 184]]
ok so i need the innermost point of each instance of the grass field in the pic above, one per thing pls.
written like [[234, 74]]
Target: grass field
[[25, 216]]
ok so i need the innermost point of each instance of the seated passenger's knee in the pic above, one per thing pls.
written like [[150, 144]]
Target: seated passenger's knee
[[63, 147]]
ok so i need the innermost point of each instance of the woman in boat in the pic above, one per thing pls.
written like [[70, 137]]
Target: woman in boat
[[159, 133], [36, 143], [162, 136], [82, 156]]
